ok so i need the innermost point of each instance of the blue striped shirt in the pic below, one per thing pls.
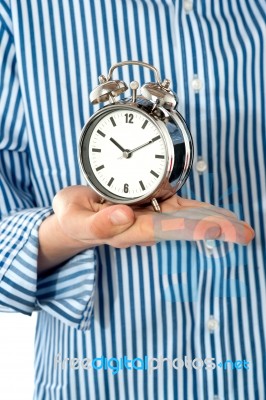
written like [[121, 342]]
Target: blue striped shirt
[[127, 323]]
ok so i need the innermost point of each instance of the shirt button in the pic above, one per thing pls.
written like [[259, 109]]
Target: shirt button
[[196, 84], [201, 166], [188, 5], [212, 324], [216, 397], [210, 244]]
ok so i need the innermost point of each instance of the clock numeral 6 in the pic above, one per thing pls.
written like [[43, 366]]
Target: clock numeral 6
[[126, 188], [129, 118]]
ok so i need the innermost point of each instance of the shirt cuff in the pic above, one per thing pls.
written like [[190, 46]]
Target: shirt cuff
[[66, 293]]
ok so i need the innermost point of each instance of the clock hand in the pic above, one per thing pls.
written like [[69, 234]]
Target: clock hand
[[117, 145], [129, 152]]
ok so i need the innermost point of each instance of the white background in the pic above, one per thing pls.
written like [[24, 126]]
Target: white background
[[17, 356]]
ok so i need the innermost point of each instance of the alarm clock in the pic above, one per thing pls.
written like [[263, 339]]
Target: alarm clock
[[136, 150]]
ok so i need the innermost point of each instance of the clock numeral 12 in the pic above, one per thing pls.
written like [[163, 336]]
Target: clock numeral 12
[[129, 118]]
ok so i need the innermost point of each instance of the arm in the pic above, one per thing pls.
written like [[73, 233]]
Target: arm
[[19, 216], [81, 222], [67, 293]]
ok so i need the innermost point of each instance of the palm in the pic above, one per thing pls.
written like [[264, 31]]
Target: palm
[[85, 219], [185, 219]]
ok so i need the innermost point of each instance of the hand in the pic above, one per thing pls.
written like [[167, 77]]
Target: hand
[[81, 221], [88, 223]]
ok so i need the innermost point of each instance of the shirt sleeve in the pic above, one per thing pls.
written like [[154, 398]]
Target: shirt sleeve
[[67, 292]]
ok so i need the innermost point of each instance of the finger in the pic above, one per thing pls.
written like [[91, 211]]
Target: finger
[[232, 230], [151, 228], [179, 203], [196, 214], [204, 206], [208, 227], [109, 222], [95, 227], [146, 244], [235, 231], [139, 233], [180, 228]]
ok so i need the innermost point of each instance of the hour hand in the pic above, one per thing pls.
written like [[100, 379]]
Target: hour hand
[[117, 144]]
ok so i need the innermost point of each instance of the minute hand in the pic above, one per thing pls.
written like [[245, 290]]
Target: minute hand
[[143, 145]]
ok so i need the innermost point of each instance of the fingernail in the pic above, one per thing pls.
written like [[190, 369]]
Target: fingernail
[[118, 217], [213, 233]]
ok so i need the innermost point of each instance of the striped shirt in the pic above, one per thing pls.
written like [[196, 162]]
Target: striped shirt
[[177, 320]]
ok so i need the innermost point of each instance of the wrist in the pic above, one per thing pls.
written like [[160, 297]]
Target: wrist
[[55, 246]]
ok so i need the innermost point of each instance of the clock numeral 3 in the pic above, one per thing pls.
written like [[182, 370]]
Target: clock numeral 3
[[129, 118], [126, 188]]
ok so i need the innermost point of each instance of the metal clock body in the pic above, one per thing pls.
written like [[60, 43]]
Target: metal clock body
[[136, 150]]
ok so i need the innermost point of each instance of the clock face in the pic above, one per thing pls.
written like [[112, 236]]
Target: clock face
[[124, 154]]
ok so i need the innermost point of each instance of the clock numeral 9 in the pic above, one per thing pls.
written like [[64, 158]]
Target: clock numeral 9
[[126, 188], [129, 118]]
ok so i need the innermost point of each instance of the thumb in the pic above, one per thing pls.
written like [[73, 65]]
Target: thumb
[[106, 223]]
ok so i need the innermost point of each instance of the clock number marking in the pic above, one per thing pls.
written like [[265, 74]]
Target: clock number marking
[[145, 124], [94, 150], [126, 188], [154, 173], [110, 182], [113, 121], [142, 185], [129, 118], [100, 167], [156, 138], [101, 133], [159, 156]]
